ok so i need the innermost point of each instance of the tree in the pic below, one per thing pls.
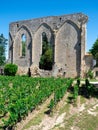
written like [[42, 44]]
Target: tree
[[96, 57], [94, 51], [46, 59], [3, 43]]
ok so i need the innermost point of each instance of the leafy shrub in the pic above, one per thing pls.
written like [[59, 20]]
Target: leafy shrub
[[46, 60], [89, 74], [10, 69]]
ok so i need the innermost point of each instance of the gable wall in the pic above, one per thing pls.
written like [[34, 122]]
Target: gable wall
[[66, 33]]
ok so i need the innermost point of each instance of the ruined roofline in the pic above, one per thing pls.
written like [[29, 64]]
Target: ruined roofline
[[57, 16], [67, 37]]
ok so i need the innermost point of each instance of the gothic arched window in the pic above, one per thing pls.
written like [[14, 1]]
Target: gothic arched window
[[46, 59], [23, 45]]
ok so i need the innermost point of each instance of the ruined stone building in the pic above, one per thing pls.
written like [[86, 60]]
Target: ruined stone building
[[67, 36]]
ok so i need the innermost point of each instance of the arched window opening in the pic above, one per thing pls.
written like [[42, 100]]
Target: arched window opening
[[23, 46], [44, 43], [46, 59]]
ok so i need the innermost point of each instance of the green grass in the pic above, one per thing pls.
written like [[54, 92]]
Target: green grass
[[82, 100], [35, 121], [87, 122], [94, 80], [69, 122], [64, 108]]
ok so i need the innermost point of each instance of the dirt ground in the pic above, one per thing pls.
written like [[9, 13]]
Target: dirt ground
[[64, 116]]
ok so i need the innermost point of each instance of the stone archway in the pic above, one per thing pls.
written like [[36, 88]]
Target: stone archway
[[68, 49], [17, 57], [37, 42]]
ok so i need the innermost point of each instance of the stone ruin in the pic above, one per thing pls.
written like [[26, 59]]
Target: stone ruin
[[67, 36]]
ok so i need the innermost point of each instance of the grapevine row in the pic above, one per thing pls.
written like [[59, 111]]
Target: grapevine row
[[21, 95]]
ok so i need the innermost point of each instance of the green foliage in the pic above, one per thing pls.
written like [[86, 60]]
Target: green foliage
[[51, 105], [96, 57], [76, 91], [60, 91], [90, 88], [20, 95], [94, 48], [46, 59], [23, 48], [2, 56], [10, 69], [94, 51], [89, 74], [3, 43]]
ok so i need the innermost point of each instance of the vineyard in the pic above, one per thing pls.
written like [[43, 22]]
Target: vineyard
[[21, 95]]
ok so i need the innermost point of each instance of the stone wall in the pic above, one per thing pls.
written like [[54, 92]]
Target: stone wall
[[65, 33], [88, 62]]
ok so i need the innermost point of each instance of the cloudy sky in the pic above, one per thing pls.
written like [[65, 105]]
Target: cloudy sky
[[16, 10]]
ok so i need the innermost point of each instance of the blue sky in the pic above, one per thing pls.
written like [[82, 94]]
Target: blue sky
[[16, 10]]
